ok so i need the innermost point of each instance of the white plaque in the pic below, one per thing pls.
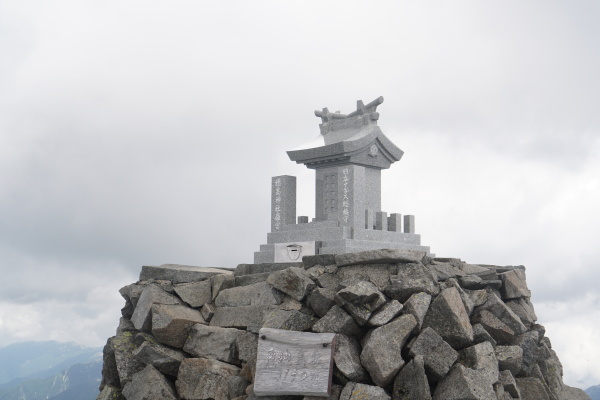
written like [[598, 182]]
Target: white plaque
[[294, 251]]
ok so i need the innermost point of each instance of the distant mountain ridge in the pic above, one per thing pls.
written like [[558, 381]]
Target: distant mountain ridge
[[593, 392], [28, 360], [49, 370], [78, 382]]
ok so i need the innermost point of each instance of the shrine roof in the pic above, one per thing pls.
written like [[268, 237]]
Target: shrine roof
[[343, 136]]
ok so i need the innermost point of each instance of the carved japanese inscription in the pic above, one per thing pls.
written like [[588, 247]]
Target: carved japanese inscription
[[294, 363]]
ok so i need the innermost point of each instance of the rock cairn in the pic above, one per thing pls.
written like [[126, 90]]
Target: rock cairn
[[408, 327]]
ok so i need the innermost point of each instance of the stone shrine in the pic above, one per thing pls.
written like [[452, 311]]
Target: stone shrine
[[347, 157]]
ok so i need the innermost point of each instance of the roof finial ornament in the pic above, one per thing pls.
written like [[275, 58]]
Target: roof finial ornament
[[365, 115]]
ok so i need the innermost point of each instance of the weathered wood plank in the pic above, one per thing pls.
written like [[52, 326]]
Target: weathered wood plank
[[294, 363]]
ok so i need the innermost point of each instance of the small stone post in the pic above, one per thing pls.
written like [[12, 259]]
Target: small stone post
[[381, 221], [409, 224], [395, 222]]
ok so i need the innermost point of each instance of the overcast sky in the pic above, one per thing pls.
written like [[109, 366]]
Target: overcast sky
[[146, 132]]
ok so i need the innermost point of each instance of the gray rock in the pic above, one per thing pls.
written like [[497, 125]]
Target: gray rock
[[125, 325], [207, 311], [246, 269], [438, 356], [131, 293], [110, 374], [524, 309], [337, 321], [466, 299], [412, 278], [247, 344], [386, 313], [493, 284], [142, 315], [291, 320], [380, 256], [501, 311], [172, 323], [221, 282], [532, 389], [481, 357], [551, 369], [195, 294], [149, 384], [472, 282], [529, 343], [411, 382], [478, 297], [445, 270], [315, 271], [336, 390], [203, 379], [321, 259], [510, 385], [330, 281], [347, 358], [514, 285], [229, 345], [245, 280], [290, 304], [361, 300], [381, 351], [448, 317], [464, 384], [258, 294], [164, 359], [123, 346], [321, 300], [237, 385], [472, 269], [503, 268], [571, 393], [417, 305], [501, 332], [480, 335], [500, 393], [164, 284], [360, 391], [292, 281], [510, 358], [378, 274], [180, 273], [245, 317], [110, 393]]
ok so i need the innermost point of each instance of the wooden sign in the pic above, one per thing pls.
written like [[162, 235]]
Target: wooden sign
[[294, 363]]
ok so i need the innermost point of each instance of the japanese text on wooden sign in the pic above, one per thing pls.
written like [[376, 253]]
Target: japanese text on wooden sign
[[293, 363]]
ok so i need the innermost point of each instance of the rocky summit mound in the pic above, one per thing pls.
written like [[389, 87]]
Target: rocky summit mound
[[408, 327]]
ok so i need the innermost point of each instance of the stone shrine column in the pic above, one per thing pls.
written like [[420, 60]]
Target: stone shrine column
[[283, 201], [344, 192]]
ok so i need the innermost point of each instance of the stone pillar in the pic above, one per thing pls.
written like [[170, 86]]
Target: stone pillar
[[395, 222], [369, 219], [409, 224], [381, 221], [283, 201]]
